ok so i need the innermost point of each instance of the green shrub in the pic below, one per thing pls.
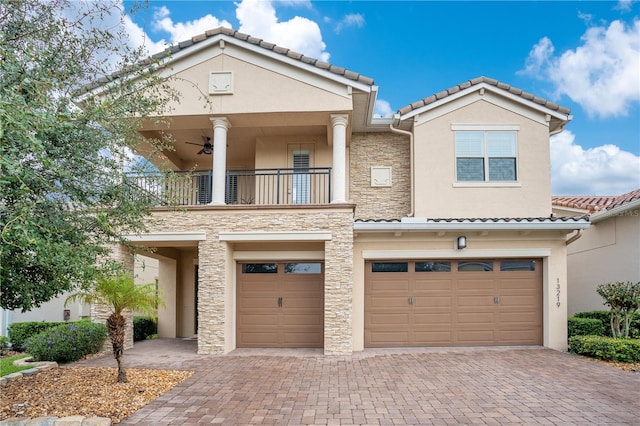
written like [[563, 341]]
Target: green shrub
[[605, 318], [19, 332], [143, 328], [4, 345], [67, 342], [584, 327], [634, 327], [608, 348]]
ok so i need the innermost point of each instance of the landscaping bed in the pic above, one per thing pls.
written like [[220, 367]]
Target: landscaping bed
[[85, 391]]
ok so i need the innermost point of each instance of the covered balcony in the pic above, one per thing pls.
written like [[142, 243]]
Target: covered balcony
[[248, 160]]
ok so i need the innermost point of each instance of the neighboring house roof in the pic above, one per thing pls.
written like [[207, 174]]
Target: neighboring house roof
[[588, 202], [489, 81], [601, 207], [595, 203], [625, 198], [351, 75]]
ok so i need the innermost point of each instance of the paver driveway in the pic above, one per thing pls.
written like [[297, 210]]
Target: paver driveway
[[531, 386]]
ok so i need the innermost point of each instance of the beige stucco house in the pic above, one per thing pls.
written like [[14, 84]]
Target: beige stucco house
[[308, 222], [608, 251], [55, 310]]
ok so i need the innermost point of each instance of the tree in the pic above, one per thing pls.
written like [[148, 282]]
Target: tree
[[624, 299], [68, 122], [118, 291]]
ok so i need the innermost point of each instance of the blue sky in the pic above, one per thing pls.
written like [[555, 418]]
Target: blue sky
[[583, 55]]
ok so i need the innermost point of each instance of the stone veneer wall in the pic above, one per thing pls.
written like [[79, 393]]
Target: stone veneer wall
[[100, 313], [380, 149], [214, 274]]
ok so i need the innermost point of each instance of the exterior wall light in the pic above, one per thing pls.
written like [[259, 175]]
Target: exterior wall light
[[461, 242]]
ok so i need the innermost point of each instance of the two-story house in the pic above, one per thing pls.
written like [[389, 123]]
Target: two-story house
[[307, 222]]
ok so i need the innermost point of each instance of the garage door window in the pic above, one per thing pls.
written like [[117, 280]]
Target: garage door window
[[303, 268], [475, 266], [390, 267], [433, 267], [517, 265], [259, 268]]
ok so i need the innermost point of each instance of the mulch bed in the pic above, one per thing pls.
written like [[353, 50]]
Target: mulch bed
[[85, 391]]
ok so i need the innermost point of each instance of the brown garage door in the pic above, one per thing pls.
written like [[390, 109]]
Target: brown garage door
[[453, 303], [280, 305]]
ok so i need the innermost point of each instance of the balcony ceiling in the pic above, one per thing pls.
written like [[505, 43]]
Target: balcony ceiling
[[241, 139]]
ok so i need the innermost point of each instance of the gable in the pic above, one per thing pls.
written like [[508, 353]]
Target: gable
[[538, 109], [225, 50]]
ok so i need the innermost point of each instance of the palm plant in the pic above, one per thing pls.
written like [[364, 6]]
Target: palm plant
[[117, 291]]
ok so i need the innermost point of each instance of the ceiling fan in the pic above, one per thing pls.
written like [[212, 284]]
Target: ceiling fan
[[207, 147]]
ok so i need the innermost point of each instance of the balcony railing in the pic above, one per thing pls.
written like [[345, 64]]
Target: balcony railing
[[242, 186]]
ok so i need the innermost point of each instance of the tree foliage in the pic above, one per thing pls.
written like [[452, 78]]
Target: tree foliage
[[117, 291], [624, 299], [67, 126]]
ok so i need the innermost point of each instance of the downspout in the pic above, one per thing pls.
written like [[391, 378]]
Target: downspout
[[411, 165], [575, 236]]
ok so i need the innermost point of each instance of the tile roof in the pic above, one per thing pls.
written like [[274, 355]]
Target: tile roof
[[487, 220], [265, 45], [625, 198], [462, 86], [594, 203]]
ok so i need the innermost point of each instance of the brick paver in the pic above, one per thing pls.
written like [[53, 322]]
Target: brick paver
[[485, 386]]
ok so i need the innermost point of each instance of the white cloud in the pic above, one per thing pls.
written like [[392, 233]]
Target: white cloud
[[382, 109], [603, 170], [181, 31], [602, 75], [258, 18], [350, 20], [138, 38], [624, 5]]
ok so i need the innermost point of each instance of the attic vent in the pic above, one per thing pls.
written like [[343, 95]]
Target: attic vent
[[221, 83]]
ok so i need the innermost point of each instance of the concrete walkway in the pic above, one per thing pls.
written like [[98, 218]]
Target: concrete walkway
[[494, 386]]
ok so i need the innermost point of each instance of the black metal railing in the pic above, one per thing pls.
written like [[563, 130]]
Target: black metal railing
[[242, 186]]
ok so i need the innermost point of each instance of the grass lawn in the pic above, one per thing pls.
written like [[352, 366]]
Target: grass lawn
[[7, 367]]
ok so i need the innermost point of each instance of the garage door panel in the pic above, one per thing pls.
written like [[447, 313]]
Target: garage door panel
[[476, 337], [474, 301], [475, 317], [389, 285], [253, 285], [386, 339], [292, 339], [426, 301], [519, 301], [256, 339], [258, 320], [433, 321], [519, 316], [520, 337], [475, 285], [304, 318], [390, 319], [257, 302], [383, 302], [431, 285], [432, 338], [300, 302]]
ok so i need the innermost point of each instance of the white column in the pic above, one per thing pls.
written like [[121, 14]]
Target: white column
[[339, 178], [220, 127]]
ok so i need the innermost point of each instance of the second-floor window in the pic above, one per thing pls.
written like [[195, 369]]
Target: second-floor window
[[485, 156]]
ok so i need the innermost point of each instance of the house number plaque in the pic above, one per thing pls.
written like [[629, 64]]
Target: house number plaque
[[558, 292]]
